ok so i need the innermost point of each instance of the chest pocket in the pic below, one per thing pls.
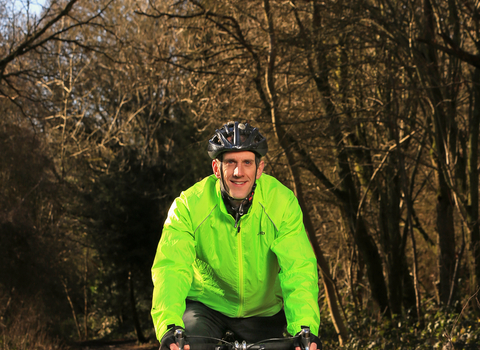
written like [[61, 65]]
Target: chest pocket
[[266, 232], [261, 235]]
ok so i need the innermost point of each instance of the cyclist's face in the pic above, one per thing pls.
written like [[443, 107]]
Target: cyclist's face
[[239, 172]]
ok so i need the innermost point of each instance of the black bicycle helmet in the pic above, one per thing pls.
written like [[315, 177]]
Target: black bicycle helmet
[[251, 141]]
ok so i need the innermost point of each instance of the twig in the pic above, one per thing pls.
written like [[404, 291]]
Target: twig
[[448, 335]]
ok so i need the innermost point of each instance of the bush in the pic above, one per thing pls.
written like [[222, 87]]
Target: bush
[[441, 329]]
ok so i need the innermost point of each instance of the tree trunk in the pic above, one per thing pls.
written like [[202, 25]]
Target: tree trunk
[[136, 322], [472, 212], [74, 314], [270, 106], [442, 127], [446, 241], [85, 295], [406, 184], [328, 283], [348, 197]]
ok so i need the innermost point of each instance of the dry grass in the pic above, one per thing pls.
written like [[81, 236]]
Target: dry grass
[[25, 330]]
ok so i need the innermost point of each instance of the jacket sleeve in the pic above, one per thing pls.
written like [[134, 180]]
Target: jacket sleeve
[[298, 271], [172, 269]]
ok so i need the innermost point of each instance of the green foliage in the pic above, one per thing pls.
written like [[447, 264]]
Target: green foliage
[[439, 327]]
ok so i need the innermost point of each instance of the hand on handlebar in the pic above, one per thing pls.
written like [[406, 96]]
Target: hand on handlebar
[[174, 339], [313, 346], [305, 340], [174, 346]]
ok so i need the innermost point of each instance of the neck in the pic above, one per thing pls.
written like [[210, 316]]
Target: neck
[[237, 207], [235, 203]]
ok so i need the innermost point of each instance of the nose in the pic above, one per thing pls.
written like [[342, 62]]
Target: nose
[[238, 171]]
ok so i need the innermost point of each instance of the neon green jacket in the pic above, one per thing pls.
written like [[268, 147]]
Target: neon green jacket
[[265, 263]]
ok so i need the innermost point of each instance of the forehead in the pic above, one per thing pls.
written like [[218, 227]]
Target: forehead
[[238, 156]]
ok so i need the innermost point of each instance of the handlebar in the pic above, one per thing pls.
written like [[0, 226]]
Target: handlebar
[[267, 344]]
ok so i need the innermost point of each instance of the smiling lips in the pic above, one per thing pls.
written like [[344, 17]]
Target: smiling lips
[[238, 189], [239, 182]]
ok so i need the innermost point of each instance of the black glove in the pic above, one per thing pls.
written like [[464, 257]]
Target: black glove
[[300, 338], [169, 337]]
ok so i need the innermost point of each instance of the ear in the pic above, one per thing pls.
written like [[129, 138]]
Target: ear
[[260, 169], [216, 168]]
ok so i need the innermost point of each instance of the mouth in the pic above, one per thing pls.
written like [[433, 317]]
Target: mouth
[[239, 183]]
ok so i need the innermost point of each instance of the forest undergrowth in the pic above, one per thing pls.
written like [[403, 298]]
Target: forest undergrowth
[[457, 327], [441, 328], [26, 330]]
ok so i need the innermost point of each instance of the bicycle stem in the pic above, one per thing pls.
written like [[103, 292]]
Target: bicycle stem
[[238, 346]]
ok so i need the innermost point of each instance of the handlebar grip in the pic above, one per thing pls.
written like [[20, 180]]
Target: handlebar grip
[[180, 338], [305, 337]]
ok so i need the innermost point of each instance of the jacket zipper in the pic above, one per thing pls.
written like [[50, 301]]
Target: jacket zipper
[[240, 272], [238, 215]]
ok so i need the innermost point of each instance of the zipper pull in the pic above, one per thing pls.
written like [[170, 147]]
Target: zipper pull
[[237, 218]]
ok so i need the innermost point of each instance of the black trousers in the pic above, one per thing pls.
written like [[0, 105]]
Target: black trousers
[[203, 321]]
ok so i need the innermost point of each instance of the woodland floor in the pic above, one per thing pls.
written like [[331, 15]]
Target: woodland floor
[[114, 345]]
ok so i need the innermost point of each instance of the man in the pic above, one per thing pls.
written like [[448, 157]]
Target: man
[[234, 254]]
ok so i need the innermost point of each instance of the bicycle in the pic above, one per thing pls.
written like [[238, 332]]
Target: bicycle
[[266, 344]]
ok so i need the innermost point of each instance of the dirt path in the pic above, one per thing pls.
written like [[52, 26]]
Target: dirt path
[[115, 345]]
